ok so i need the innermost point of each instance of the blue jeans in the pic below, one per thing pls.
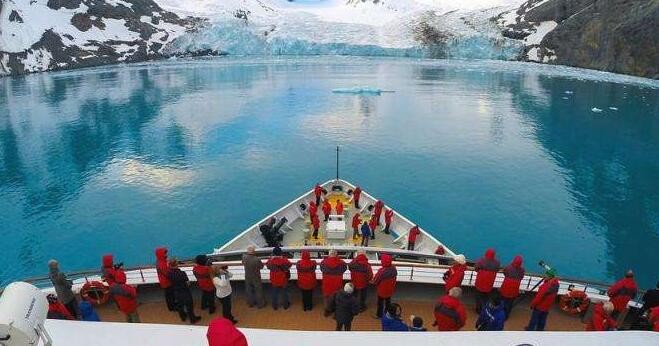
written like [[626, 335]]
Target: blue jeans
[[538, 320], [280, 291]]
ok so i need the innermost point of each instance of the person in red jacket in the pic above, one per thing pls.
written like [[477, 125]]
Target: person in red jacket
[[373, 224], [327, 209], [315, 223], [202, 271], [654, 318], [486, 271], [509, 290], [356, 195], [602, 320], [317, 191], [622, 292], [411, 237], [126, 297], [222, 332], [57, 310], [388, 217], [454, 276], [162, 267], [356, 221], [306, 279], [542, 302], [450, 314], [107, 269], [339, 207], [361, 274], [279, 267], [332, 268], [313, 209], [385, 281]]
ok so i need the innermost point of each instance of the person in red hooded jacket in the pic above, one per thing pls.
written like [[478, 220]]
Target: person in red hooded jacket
[[411, 237], [306, 279], [222, 332], [486, 271], [57, 310], [509, 291], [654, 318], [313, 209], [279, 267], [377, 208], [454, 276], [542, 303], [388, 217], [385, 281], [373, 224], [126, 297], [107, 269], [162, 267], [602, 320], [315, 223], [332, 268], [361, 274], [450, 314], [356, 195], [327, 209], [356, 221], [622, 292], [202, 271], [317, 191], [339, 207]]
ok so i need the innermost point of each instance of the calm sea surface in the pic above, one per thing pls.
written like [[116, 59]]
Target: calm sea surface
[[552, 163]]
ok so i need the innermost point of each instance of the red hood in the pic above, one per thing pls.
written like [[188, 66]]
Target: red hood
[[161, 253], [361, 259], [306, 255], [449, 301], [386, 260], [332, 261], [489, 254], [221, 332], [108, 261], [120, 277], [517, 261]]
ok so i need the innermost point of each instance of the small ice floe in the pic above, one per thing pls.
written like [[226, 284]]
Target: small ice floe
[[565, 98], [596, 110], [360, 91], [613, 108], [569, 92]]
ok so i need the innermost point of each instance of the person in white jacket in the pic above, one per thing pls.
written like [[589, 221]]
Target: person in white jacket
[[222, 283]]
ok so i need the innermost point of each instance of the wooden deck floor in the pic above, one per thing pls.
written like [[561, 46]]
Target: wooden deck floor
[[417, 299]]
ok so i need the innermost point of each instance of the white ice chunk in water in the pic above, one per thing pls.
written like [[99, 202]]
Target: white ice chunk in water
[[569, 92], [613, 108], [565, 98], [596, 110]]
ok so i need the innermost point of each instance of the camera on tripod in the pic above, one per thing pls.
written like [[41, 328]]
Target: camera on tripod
[[549, 271]]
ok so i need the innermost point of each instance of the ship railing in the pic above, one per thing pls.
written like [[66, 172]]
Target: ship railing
[[412, 267]]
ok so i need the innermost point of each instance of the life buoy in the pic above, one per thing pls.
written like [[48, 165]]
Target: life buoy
[[95, 292], [574, 302]]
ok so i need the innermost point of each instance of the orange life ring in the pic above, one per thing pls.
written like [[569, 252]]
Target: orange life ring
[[95, 292], [574, 302]]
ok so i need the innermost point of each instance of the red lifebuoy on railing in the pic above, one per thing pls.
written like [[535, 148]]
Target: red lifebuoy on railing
[[575, 302], [95, 292]]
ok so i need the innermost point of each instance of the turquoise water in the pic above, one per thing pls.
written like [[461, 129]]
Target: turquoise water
[[188, 153]]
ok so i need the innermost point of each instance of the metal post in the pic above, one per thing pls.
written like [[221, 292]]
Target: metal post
[[337, 162]]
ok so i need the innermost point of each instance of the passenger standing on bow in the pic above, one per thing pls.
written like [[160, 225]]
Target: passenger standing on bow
[[162, 268], [542, 303], [366, 234], [356, 221], [373, 224], [317, 191], [182, 293], [202, 271], [253, 284], [450, 314], [486, 272], [62, 287], [454, 276], [125, 296], [345, 307], [222, 283], [385, 282], [306, 279], [327, 209], [388, 217], [356, 195], [315, 223], [361, 274], [313, 209], [509, 291], [339, 207], [602, 320], [411, 237], [622, 292], [332, 268], [279, 267]]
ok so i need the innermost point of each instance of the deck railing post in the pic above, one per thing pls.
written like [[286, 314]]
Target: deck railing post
[[412, 274], [142, 275]]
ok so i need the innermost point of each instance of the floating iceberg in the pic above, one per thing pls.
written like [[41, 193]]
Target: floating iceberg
[[361, 91], [596, 110], [613, 108]]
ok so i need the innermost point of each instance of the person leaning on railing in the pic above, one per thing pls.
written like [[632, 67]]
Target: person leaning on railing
[[253, 285]]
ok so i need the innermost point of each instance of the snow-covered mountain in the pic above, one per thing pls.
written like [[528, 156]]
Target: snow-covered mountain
[[37, 35]]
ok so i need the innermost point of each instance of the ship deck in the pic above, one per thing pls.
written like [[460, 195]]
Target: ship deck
[[415, 299]]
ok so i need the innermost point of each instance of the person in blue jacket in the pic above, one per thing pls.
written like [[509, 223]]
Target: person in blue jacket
[[366, 234], [492, 316], [391, 321], [87, 311]]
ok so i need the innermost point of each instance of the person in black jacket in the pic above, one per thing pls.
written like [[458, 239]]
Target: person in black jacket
[[345, 306], [184, 302]]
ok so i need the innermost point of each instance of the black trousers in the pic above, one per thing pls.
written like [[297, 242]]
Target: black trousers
[[481, 300], [410, 246], [343, 326], [72, 306], [383, 303], [185, 307], [208, 300], [307, 300], [357, 204], [508, 305], [386, 228], [318, 201], [226, 307], [315, 233], [361, 295], [170, 299]]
